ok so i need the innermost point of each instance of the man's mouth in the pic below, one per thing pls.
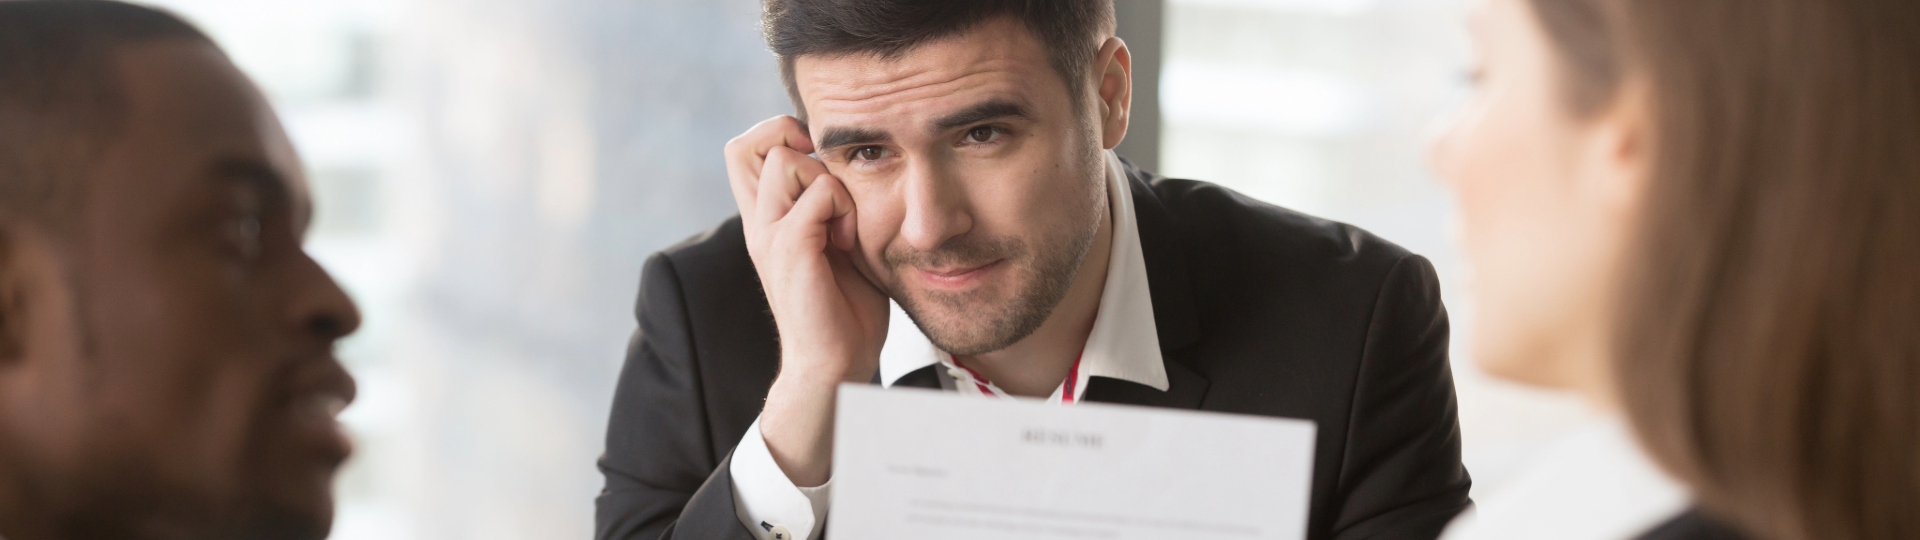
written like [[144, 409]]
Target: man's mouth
[[316, 420], [321, 389], [958, 277]]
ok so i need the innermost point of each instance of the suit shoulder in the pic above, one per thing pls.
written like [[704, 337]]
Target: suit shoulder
[[1208, 214], [725, 243], [713, 261], [709, 267]]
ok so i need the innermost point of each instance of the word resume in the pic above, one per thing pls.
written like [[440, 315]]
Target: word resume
[[911, 463]]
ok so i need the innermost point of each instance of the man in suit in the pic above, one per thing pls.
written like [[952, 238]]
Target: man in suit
[[954, 159], [166, 366]]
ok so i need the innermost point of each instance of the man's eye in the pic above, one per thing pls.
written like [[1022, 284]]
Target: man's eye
[[240, 228], [868, 153], [243, 232], [982, 134]]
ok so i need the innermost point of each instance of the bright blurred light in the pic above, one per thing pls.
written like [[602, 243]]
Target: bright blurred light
[[1335, 7], [1261, 99]]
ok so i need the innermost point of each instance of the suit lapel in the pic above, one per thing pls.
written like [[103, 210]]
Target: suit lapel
[[924, 377], [1174, 315], [1185, 390]]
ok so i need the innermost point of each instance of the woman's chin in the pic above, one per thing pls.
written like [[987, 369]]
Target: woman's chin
[[1499, 354]]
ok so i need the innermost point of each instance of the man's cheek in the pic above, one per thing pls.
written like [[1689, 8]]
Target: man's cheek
[[869, 255], [876, 224], [871, 260]]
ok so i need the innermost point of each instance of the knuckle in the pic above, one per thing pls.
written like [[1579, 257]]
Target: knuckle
[[739, 145], [777, 156], [786, 154]]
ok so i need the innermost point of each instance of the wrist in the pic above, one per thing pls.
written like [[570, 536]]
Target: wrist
[[809, 376], [797, 426], [800, 365]]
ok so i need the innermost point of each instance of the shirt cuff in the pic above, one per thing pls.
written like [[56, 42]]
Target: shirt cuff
[[766, 501]]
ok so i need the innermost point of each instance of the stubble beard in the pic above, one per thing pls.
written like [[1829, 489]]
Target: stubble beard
[[973, 322]]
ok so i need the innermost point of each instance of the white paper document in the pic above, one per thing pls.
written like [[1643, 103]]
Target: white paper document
[[923, 464]]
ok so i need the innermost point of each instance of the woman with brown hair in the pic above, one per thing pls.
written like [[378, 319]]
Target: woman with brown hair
[[1704, 216]]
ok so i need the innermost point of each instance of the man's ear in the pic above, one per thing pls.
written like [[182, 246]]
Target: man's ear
[[1114, 66]]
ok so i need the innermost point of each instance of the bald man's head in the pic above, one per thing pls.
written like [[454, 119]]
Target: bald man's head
[[60, 100], [166, 344]]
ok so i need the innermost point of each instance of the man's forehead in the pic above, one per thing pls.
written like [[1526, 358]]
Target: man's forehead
[[998, 58], [192, 112]]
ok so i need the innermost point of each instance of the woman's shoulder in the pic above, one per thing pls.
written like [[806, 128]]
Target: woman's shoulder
[[1592, 484]]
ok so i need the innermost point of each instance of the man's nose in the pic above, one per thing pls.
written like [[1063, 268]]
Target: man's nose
[[319, 307], [936, 208]]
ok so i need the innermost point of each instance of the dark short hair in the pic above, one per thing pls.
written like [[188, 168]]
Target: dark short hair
[[60, 101], [1768, 350], [889, 28]]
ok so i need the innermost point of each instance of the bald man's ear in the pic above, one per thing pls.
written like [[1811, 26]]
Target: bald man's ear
[[1114, 66]]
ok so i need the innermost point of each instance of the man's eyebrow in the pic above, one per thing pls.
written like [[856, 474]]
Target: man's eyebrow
[[256, 174], [981, 112], [839, 136]]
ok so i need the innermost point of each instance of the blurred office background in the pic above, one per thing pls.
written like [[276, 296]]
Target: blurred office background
[[491, 174]]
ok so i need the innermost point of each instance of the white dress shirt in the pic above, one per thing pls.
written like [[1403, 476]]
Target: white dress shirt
[[1124, 344], [1594, 484]]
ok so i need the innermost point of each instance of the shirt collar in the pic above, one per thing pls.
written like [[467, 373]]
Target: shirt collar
[[1124, 344]]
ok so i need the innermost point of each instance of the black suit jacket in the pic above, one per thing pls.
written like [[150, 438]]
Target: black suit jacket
[[1260, 310]]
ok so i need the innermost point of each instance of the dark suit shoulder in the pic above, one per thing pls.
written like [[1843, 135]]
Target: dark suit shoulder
[[717, 277], [723, 246], [733, 339], [1212, 215], [1244, 257], [1302, 317]]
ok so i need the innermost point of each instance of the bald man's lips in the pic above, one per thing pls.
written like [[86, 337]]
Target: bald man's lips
[[960, 278], [321, 389], [316, 422]]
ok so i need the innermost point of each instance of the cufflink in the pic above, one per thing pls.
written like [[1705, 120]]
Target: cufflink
[[776, 532]]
